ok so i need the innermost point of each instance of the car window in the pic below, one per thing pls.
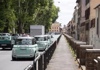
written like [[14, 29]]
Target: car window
[[0, 34], [24, 41], [34, 41], [5, 34], [36, 38], [41, 39], [45, 38]]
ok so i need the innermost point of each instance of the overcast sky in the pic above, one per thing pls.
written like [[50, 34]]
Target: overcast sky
[[66, 10]]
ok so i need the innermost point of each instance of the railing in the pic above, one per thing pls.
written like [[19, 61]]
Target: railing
[[42, 60], [91, 54], [82, 53], [88, 57]]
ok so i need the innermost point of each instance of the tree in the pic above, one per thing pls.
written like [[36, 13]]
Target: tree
[[20, 14], [7, 16]]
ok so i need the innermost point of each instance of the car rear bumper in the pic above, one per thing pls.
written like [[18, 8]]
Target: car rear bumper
[[6, 45], [23, 56]]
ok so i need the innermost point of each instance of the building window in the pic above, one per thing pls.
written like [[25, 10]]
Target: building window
[[97, 26], [87, 13], [92, 23], [98, 18], [87, 26], [78, 20], [87, 1]]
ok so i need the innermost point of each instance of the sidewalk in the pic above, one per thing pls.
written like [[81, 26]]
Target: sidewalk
[[62, 58]]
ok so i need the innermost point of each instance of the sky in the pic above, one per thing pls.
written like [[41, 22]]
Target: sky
[[66, 10]]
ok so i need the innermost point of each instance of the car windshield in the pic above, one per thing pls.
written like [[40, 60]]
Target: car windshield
[[4, 34], [40, 38], [24, 42], [5, 38]]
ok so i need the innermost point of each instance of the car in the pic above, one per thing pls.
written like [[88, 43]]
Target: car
[[25, 47], [6, 40], [50, 39], [14, 36], [42, 41]]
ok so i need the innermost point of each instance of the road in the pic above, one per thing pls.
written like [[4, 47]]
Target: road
[[6, 62]]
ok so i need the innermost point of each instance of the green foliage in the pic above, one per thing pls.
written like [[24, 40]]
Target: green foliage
[[20, 14]]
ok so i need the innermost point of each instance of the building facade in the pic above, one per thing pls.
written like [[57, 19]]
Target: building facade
[[64, 29], [75, 19], [97, 27], [55, 28], [81, 20], [88, 21], [71, 28], [93, 32]]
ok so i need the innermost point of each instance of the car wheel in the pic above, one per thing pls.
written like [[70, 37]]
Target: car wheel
[[3, 48], [33, 58], [11, 47], [13, 58]]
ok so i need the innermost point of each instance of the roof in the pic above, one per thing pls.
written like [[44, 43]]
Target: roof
[[25, 37], [40, 35], [5, 34]]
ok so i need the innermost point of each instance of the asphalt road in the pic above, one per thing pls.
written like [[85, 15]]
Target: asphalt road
[[6, 62]]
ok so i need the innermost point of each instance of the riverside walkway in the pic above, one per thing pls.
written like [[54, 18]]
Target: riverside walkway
[[62, 58]]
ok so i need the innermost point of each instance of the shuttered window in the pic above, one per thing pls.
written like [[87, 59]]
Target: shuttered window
[[92, 23], [97, 27]]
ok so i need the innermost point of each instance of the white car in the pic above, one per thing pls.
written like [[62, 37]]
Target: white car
[[25, 47], [42, 41]]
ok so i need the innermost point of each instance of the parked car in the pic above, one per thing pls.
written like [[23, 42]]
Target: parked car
[[42, 41], [50, 39], [6, 40], [25, 47], [15, 36]]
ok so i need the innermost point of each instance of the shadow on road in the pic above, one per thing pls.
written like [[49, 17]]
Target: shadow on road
[[7, 49], [23, 59]]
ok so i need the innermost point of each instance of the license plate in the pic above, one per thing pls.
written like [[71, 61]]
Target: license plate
[[3, 44]]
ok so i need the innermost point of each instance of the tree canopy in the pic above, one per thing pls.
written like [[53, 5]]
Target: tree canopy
[[20, 14]]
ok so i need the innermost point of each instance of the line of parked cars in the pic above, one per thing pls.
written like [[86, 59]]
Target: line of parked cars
[[25, 46], [28, 47]]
